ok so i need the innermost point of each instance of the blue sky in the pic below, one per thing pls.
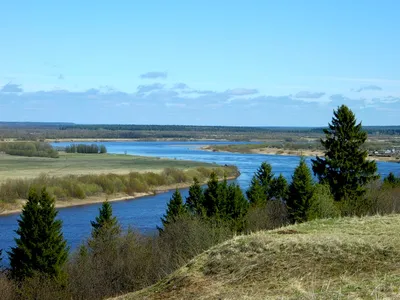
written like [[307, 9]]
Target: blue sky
[[263, 63]]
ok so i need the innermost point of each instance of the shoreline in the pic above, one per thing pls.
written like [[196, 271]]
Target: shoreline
[[74, 202], [289, 152]]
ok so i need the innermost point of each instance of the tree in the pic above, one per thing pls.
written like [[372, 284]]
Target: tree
[[300, 192], [391, 180], [259, 190], [175, 209], [236, 208], [195, 201], [322, 205], [103, 149], [279, 188], [211, 196], [255, 193], [345, 166], [40, 247], [105, 222]]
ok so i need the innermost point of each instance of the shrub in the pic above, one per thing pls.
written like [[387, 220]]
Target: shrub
[[322, 204]]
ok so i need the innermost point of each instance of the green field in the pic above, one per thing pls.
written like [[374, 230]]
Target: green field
[[15, 167], [345, 258]]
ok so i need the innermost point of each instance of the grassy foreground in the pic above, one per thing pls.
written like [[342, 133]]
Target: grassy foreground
[[17, 167], [347, 258]]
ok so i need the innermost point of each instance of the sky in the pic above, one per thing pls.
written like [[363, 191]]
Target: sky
[[244, 63]]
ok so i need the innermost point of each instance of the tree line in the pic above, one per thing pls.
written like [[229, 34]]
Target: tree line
[[84, 148], [30, 149]]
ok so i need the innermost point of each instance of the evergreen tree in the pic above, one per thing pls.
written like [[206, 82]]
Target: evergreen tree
[[300, 192], [264, 176], [105, 222], [345, 166], [175, 209], [391, 180], [195, 201], [258, 192], [255, 193], [211, 196], [236, 208], [279, 188], [40, 246]]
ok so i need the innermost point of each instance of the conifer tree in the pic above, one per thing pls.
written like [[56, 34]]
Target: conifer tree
[[40, 247], [195, 201], [236, 208], [105, 222], [175, 209], [345, 166], [258, 192], [279, 188], [211, 196], [391, 180], [300, 192], [255, 193]]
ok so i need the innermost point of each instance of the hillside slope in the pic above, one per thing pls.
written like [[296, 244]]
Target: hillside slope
[[348, 258]]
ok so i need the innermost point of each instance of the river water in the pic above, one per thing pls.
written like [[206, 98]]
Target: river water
[[144, 214]]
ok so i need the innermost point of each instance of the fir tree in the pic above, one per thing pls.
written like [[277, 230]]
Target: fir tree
[[175, 209], [105, 221], [345, 166], [279, 188], [300, 192], [40, 247], [195, 201], [391, 180], [211, 196], [259, 190], [236, 208], [255, 193]]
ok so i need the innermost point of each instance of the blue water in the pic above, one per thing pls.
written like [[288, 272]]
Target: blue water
[[144, 213]]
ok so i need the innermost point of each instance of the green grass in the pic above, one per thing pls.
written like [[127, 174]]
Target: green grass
[[16, 167], [345, 258]]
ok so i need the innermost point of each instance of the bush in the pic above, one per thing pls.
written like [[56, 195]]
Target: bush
[[270, 216], [322, 204]]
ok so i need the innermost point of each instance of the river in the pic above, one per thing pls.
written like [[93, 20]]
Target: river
[[144, 214]]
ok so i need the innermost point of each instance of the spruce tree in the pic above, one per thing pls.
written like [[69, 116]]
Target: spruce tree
[[279, 188], [105, 224], [345, 166], [236, 208], [259, 190], [40, 247], [300, 192], [255, 193], [391, 180], [175, 209], [211, 196], [195, 201]]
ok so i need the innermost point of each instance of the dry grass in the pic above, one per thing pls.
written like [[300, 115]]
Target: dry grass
[[347, 258], [17, 167]]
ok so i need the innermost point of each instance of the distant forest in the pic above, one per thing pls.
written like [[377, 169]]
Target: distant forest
[[41, 131]]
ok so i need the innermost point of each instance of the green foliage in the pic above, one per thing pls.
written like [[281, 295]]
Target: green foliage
[[259, 191], [300, 192], [391, 180], [279, 188], [175, 209], [105, 221], [212, 201], [84, 148], [195, 200], [255, 193], [30, 149], [40, 247], [345, 166], [322, 204], [236, 208]]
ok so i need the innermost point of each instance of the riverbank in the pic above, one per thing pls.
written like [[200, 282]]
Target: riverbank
[[73, 202], [252, 149]]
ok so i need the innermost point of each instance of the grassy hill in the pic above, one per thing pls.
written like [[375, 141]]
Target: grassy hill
[[348, 258]]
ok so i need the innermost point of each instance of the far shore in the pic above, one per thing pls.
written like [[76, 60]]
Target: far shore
[[288, 152], [17, 208]]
